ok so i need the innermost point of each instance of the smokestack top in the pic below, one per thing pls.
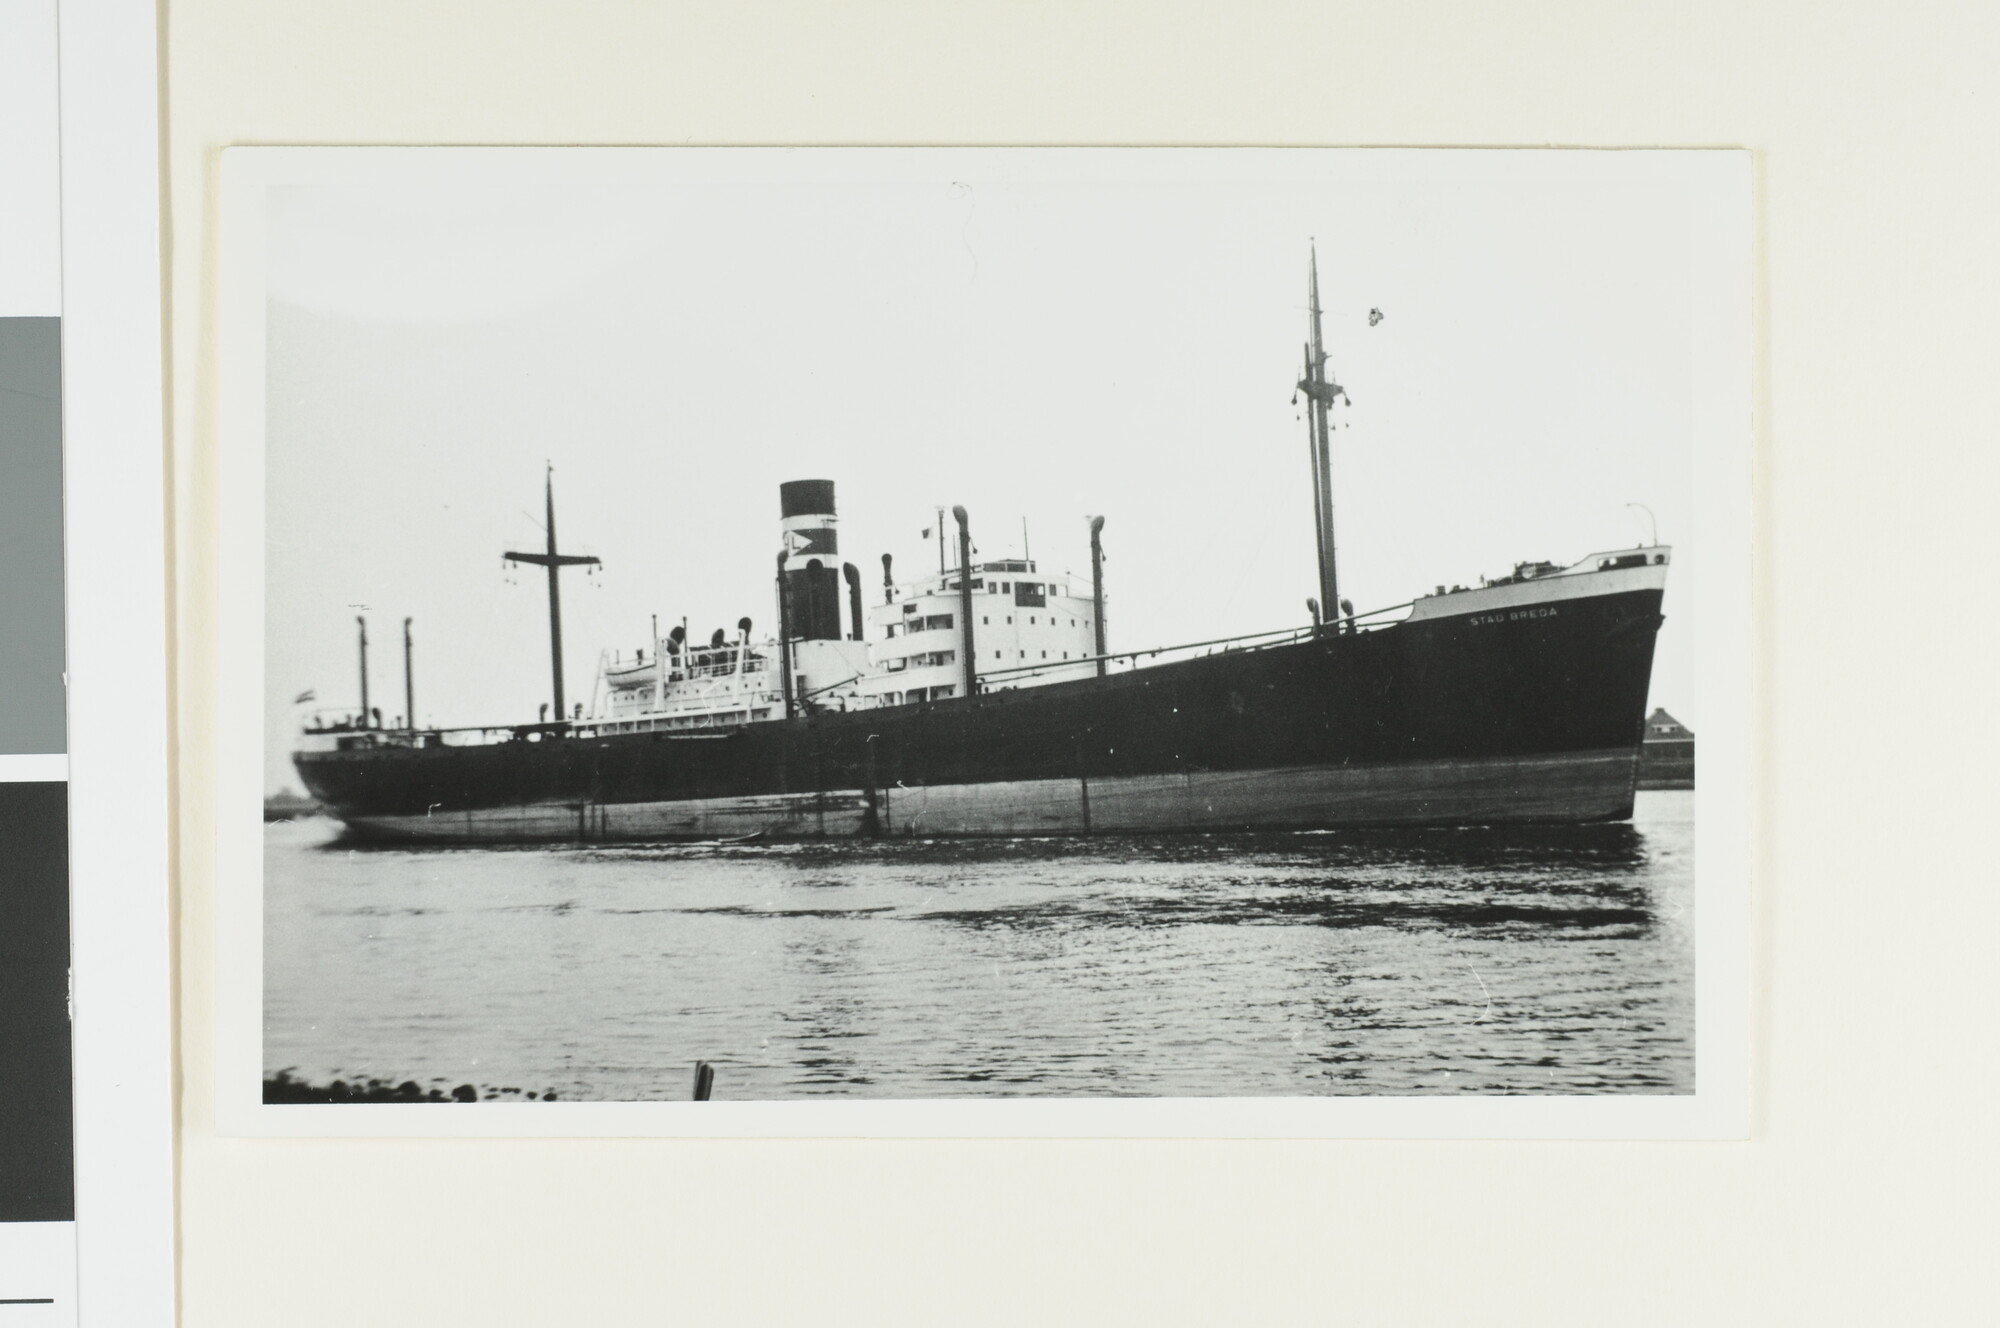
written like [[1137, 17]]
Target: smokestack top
[[805, 498]]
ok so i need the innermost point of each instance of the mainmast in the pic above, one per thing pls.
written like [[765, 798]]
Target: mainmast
[[1321, 392], [555, 562], [362, 623]]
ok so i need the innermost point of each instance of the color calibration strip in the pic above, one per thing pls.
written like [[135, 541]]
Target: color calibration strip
[[37, 1134]]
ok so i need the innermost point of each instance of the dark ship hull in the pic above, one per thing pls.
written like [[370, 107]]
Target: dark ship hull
[[1528, 709]]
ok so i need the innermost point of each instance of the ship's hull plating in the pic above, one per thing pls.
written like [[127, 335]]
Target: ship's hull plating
[[1531, 714]]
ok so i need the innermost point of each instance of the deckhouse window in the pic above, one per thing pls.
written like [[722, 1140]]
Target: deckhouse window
[[1029, 594]]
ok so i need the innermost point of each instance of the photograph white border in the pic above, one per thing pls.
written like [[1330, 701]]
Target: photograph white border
[[1718, 185]]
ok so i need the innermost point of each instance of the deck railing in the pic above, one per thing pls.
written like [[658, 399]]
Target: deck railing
[[1374, 620]]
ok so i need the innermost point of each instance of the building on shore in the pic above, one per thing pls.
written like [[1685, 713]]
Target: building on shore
[[1666, 759], [289, 805]]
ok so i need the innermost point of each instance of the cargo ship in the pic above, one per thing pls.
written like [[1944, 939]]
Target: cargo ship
[[982, 700]]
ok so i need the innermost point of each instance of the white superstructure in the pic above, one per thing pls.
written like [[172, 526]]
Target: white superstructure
[[1029, 627], [1022, 619], [675, 686]]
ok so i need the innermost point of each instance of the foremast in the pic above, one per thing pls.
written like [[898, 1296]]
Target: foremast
[[1321, 392]]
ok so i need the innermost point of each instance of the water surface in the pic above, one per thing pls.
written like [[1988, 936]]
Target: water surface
[[1527, 960]]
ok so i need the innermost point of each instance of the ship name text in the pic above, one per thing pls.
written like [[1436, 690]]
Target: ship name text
[[1482, 619]]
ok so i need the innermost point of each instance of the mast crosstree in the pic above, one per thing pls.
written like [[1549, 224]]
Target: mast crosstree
[[555, 562]]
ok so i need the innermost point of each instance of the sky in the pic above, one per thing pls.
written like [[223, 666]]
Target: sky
[[1035, 336]]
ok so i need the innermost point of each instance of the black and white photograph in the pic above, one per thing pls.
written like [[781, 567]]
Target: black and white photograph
[[786, 626]]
